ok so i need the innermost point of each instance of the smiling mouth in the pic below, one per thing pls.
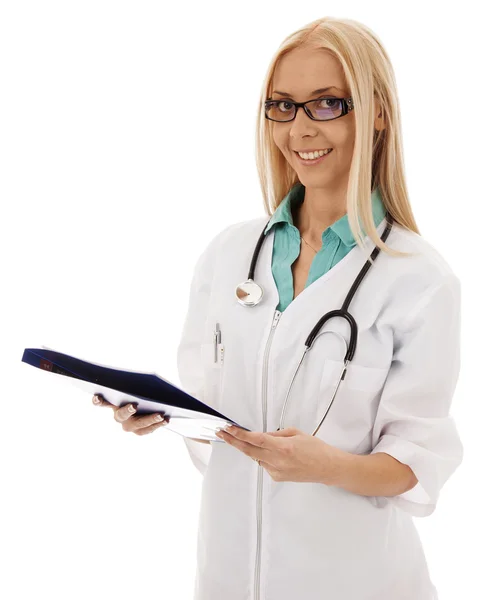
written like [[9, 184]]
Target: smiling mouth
[[313, 151], [312, 161]]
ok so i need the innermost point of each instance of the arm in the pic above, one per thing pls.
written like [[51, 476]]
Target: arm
[[372, 475], [413, 425], [189, 361]]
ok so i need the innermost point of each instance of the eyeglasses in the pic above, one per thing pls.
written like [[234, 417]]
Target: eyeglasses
[[321, 109]]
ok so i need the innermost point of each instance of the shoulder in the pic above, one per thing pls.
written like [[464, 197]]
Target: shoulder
[[419, 275], [238, 232], [425, 255]]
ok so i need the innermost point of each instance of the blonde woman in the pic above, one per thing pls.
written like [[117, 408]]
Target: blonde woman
[[290, 509]]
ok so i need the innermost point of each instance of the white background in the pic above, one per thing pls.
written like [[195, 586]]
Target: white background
[[109, 192]]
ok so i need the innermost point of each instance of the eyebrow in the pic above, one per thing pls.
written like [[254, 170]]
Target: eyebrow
[[313, 93]]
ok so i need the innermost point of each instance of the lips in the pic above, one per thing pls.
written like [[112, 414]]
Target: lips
[[312, 161], [305, 151]]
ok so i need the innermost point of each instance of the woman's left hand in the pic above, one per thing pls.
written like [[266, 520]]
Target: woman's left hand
[[288, 455]]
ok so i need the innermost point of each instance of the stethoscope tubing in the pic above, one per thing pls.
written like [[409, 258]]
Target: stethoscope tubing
[[315, 332], [341, 377]]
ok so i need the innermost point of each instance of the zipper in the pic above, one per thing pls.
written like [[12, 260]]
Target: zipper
[[259, 494]]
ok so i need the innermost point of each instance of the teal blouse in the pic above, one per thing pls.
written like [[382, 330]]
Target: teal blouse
[[337, 241]]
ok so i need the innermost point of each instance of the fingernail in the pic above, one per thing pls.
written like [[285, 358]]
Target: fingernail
[[96, 400], [131, 409], [159, 418]]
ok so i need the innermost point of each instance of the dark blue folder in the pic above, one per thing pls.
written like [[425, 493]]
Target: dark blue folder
[[187, 415]]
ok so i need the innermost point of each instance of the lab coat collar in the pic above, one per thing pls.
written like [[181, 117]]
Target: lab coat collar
[[340, 227]]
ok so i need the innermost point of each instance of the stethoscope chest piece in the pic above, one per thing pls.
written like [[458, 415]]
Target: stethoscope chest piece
[[249, 293]]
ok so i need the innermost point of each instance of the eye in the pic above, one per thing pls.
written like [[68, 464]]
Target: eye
[[284, 105], [330, 102]]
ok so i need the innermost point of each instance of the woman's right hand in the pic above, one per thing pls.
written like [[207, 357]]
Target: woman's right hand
[[125, 415]]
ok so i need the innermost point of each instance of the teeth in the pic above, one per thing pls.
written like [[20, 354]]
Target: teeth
[[313, 155]]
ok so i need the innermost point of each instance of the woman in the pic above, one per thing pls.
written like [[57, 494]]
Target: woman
[[285, 513]]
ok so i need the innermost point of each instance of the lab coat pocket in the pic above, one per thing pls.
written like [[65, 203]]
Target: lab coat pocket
[[213, 367], [352, 414]]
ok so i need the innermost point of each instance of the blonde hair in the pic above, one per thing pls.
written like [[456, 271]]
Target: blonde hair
[[378, 155]]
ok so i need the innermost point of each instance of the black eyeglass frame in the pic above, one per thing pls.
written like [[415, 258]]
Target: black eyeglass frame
[[347, 106]]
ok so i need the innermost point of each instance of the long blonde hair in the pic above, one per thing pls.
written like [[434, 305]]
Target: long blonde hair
[[377, 156]]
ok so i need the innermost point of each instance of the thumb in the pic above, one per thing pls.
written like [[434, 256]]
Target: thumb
[[288, 432]]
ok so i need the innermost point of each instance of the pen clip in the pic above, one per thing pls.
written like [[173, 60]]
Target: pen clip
[[217, 336]]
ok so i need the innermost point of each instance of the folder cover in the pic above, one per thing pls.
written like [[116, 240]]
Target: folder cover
[[188, 416]]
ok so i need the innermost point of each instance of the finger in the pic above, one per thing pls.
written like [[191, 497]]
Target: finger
[[99, 400], [255, 438], [140, 422], [266, 456], [125, 412], [149, 429]]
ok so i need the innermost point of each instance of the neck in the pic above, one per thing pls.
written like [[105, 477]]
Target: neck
[[319, 210]]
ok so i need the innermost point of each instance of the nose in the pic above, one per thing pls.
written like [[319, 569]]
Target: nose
[[302, 124]]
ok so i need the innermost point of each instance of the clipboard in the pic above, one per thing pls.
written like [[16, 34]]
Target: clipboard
[[188, 416]]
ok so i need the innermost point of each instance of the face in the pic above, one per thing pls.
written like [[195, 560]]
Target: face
[[298, 74]]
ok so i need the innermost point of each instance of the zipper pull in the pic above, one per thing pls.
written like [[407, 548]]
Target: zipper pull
[[277, 315]]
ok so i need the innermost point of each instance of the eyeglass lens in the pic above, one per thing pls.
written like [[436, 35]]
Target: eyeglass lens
[[322, 109]]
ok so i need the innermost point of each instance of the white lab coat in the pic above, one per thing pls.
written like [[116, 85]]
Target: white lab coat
[[264, 540]]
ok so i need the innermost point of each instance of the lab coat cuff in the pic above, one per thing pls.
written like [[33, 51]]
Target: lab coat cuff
[[430, 469]]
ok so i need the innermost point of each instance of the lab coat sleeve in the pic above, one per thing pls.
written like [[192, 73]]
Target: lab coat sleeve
[[189, 362], [413, 423]]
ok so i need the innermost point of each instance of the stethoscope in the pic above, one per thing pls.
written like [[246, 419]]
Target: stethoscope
[[250, 293]]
